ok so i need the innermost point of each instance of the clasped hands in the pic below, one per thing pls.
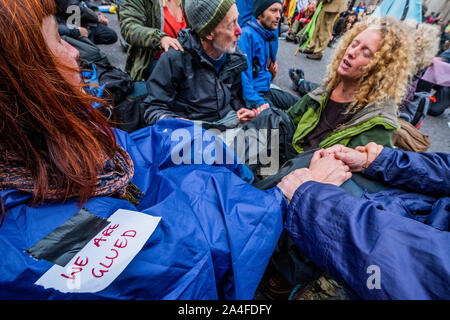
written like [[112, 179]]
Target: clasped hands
[[333, 165], [245, 114]]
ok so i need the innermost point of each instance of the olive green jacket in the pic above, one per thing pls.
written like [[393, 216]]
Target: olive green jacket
[[373, 123], [141, 25]]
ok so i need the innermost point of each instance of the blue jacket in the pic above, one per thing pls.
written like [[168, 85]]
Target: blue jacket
[[256, 42], [214, 239], [246, 8], [400, 236]]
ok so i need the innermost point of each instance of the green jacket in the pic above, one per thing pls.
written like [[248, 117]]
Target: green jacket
[[375, 122], [141, 25]]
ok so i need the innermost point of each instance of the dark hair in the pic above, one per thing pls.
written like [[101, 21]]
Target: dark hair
[[45, 122]]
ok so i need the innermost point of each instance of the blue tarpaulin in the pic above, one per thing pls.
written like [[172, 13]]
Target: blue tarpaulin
[[400, 9], [214, 239]]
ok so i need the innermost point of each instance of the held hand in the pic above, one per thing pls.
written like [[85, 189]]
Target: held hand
[[275, 67], [102, 19], [169, 42], [291, 182], [262, 107], [322, 167], [83, 31], [245, 114], [353, 158], [373, 150]]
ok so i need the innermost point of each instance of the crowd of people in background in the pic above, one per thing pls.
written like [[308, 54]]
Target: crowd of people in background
[[82, 141]]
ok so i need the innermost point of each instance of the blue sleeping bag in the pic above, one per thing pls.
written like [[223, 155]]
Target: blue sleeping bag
[[214, 239]]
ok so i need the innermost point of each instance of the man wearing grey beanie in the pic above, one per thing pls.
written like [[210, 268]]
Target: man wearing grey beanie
[[203, 81]]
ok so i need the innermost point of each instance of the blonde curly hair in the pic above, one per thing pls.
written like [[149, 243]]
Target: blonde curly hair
[[387, 75], [426, 39]]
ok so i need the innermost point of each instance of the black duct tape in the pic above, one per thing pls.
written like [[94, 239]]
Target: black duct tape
[[63, 243]]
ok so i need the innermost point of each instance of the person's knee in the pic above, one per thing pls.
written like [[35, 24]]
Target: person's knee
[[105, 35]]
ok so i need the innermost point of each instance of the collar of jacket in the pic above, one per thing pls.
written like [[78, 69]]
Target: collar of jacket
[[386, 109], [384, 114], [267, 35], [191, 43]]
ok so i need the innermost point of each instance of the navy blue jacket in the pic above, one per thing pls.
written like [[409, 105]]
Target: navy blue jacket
[[400, 236]]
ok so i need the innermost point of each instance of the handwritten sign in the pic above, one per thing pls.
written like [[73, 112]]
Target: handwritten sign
[[104, 257]]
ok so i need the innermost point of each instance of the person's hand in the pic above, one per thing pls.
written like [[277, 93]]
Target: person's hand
[[262, 107], [169, 42], [275, 67], [83, 32], [102, 19], [328, 169], [245, 114], [302, 20], [355, 159], [291, 182], [183, 119], [372, 150]]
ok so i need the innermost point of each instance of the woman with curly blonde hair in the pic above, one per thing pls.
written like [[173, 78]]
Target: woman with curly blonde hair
[[366, 80]]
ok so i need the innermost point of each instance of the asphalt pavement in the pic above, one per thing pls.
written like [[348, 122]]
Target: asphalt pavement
[[437, 128]]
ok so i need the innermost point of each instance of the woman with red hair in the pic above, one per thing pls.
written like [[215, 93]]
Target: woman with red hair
[[69, 183]]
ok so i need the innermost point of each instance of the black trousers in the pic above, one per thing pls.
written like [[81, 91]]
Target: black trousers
[[102, 34], [281, 99]]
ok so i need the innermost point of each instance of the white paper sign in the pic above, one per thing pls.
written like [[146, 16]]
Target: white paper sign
[[103, 258]]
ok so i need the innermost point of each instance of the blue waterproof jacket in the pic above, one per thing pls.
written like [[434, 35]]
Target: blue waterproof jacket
[[394, 244], [214, 239], [246, 8], [255, 42]]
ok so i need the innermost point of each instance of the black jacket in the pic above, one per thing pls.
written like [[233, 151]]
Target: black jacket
[[87, 12], [185, 84]]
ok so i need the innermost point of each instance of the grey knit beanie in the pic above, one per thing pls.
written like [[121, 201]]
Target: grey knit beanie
[[205, 15]]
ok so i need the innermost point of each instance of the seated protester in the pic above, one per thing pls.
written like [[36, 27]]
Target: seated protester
[[150, 28], [88, 212], [426, 47], [357, 102], [342, 25], [391, 244], [301, 20], [91, 20], [445, 56], [202, 82], [257, 35]]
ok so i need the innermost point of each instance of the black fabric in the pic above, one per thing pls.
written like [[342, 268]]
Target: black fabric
[[102, 34], [280, 99], [128, 110], [130, 114], [442, 96], [271, 119], [87, 11], [305, 86], [185, 84], [332, 116], [89, 52], [63, 243], [117, 83], [261, 5]]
